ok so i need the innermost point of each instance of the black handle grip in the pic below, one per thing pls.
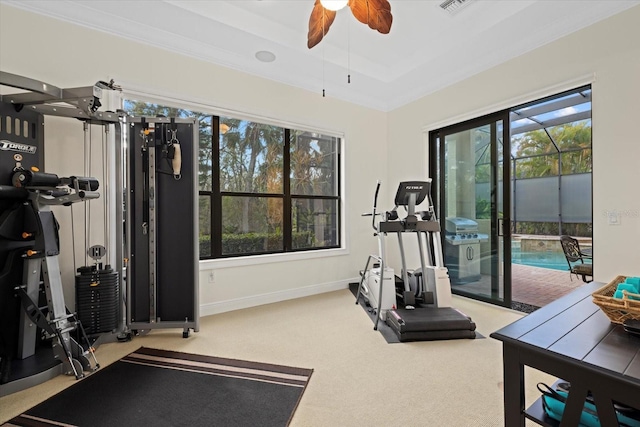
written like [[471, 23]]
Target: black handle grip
[[27, 178], [11, 192], [86, 183]]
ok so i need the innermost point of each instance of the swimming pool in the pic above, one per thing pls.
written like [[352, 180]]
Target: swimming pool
[[541, 259]]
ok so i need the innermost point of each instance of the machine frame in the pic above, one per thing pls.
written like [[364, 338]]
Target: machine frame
[[83, 103], [431, 282]]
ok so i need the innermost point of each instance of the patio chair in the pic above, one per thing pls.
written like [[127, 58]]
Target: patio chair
[[575, 258]]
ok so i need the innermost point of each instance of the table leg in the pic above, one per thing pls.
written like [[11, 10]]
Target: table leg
[[513, 387], [604, 407], [575, 404]]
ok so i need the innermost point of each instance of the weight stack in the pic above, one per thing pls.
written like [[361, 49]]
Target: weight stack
[[98, 299]]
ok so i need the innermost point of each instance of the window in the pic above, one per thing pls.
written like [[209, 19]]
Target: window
[[262, 188]]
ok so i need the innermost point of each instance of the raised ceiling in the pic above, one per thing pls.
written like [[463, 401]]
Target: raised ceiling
[[427, 49]]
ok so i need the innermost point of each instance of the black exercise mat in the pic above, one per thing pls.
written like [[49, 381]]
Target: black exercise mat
[[523, 307], [384, 329], [165, 388]]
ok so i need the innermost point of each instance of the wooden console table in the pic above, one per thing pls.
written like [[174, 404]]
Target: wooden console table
[[572, 339]]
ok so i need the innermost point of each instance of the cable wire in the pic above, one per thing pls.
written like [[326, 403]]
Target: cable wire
[[87, 157], [105, 195], [73, 241]]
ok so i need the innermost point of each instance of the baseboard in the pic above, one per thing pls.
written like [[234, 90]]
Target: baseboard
[[256, 300]]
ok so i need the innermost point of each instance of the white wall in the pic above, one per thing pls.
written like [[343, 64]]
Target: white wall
[[606, 54], [69, 56]]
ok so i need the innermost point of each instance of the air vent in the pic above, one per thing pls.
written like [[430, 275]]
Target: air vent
[[454, 6]]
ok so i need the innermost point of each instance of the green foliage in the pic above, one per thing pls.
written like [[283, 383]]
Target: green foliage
[[205, 245], [537, 156], [255, 243], [553, 228], [483, 173], [580, 230], [251, 243], [483, 208], [313, 163], [251, 157], [305, 240]]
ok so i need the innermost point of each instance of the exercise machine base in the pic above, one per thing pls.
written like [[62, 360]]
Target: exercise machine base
[[430, 323], [34, 370]]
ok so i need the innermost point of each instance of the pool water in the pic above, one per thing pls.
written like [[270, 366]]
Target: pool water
[[541, 259]]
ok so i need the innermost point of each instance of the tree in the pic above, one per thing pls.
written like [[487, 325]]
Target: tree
[[251, 162], [537, 156]]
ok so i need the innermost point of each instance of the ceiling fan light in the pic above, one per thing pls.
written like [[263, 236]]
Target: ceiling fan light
[[334, 4]]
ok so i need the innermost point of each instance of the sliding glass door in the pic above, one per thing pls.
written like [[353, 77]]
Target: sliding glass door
[[472, 200]]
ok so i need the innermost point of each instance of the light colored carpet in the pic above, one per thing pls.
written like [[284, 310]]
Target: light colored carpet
[[358, 378]]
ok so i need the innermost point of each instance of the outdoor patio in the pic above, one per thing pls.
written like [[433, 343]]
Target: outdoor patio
[[533, 286], [540, 286]]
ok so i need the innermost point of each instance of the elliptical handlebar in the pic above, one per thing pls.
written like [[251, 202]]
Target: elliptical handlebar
[[412, 200], [375, 206]]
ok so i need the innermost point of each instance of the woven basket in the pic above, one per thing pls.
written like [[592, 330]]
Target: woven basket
[[617, 310]]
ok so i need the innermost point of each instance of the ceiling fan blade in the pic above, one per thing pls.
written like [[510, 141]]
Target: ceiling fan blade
[[319, 23], [374, 13]]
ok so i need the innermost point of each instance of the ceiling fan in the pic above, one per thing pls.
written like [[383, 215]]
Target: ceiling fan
[[374, 13]]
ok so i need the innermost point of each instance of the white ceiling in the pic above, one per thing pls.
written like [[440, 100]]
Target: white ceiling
[[426, 50]]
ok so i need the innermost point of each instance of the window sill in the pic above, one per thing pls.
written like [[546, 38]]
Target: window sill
[[210, 264]]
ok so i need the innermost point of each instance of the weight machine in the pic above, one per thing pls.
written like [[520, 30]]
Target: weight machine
[[162, 226], [150, 220], [35, 193], [417, 306]]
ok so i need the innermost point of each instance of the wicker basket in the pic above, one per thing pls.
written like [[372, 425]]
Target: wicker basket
[[617, 310]]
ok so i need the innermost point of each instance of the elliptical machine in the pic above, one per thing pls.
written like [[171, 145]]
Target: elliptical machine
[[425, 293]]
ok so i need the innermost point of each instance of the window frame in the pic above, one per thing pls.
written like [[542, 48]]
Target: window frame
[[287, 254], [216, 195]]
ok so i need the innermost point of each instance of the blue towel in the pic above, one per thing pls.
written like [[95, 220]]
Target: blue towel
[[554, 407], [627, 287], [635, 286], [634, 281], [620, 295]]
